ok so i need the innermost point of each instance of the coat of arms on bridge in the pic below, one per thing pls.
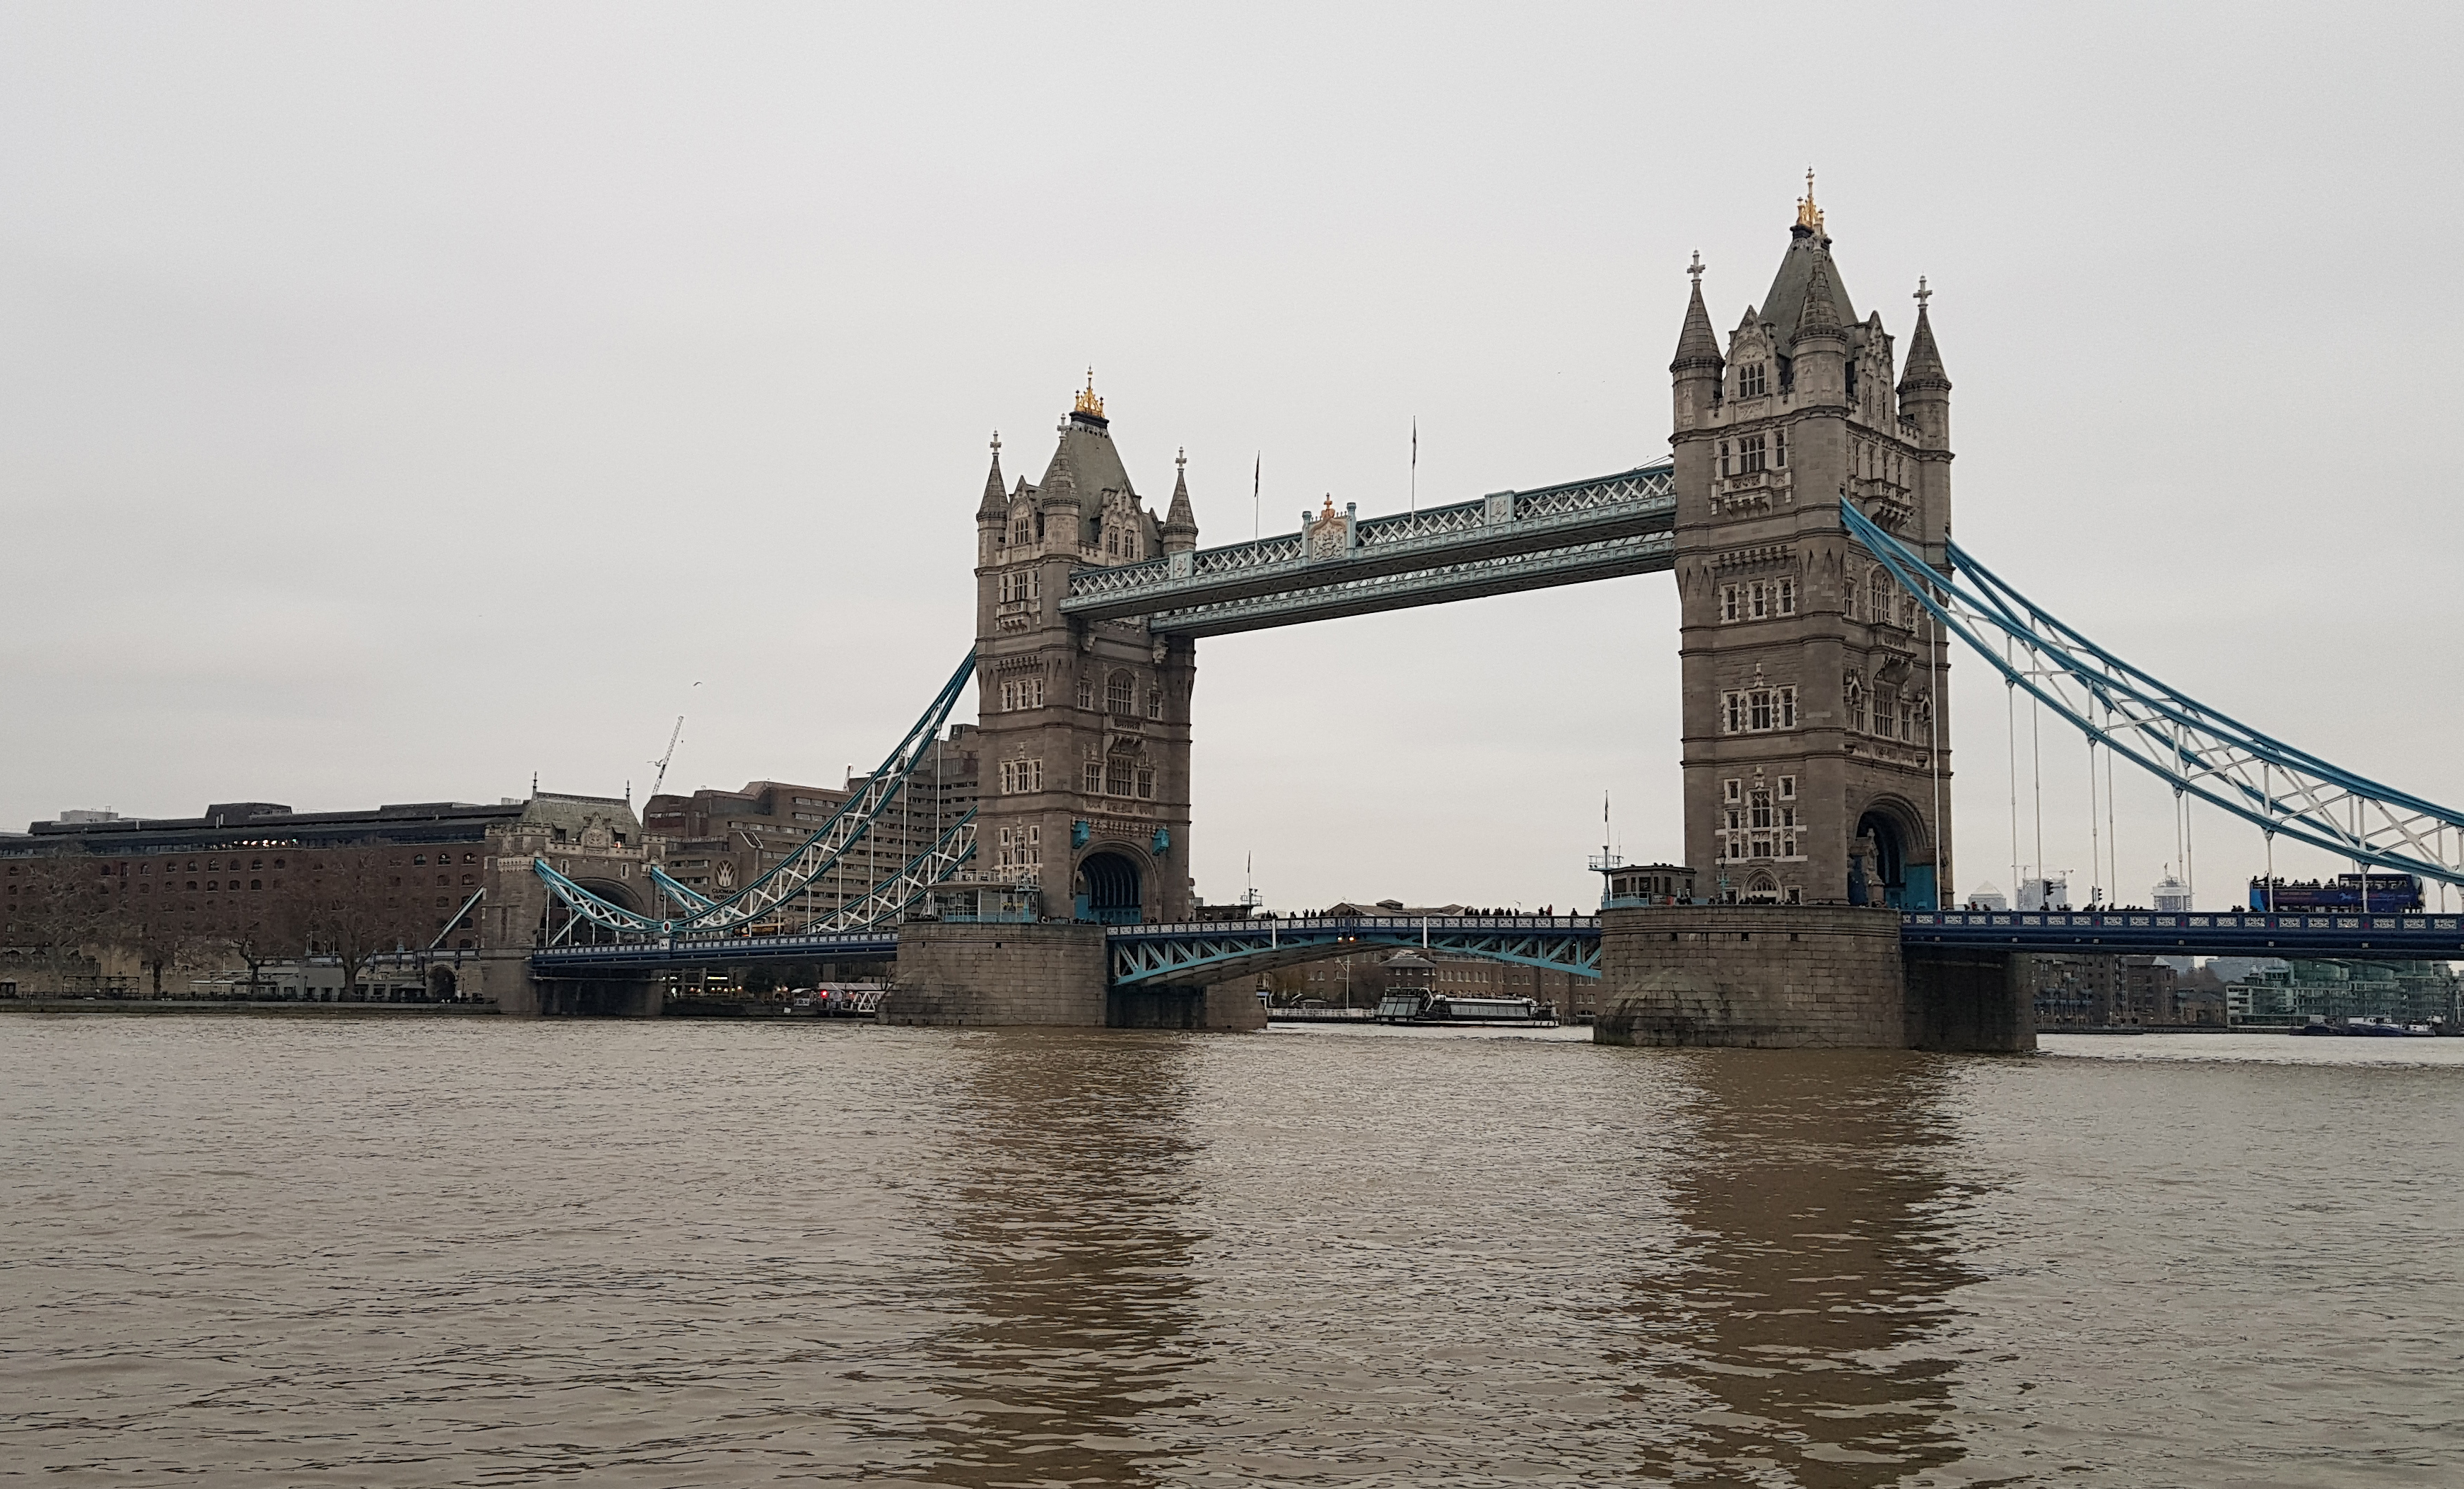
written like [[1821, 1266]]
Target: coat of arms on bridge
[[1326, 532]]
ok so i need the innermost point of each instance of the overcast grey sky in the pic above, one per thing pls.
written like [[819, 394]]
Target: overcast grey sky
[[397, 401]]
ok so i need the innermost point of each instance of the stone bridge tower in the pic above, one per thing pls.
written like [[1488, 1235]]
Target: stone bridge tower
[[1085, 782], [1816, 750]]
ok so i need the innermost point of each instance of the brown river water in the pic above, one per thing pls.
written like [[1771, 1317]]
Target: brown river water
[[278, 1251]]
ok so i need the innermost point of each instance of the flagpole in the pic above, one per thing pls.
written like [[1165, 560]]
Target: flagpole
[[1415, 463], [1256, 519]]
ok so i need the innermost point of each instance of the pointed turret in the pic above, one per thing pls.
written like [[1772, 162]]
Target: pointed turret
[[1697, 346], [1058, 498], [1821, 316], [1923, 370], [1818, 345], [1924, 387], [1180, 532], [1808, 248], [1696, 371]]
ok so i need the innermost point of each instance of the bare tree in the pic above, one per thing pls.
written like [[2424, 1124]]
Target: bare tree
[[272, 930], [63, 905], [158, 940], [355, 907]]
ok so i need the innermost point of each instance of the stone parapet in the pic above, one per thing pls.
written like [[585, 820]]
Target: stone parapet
[[1760, 976]]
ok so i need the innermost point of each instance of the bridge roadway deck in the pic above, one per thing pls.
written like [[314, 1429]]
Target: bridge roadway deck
[[1598, 528], [2208, 933], [1217, 951]]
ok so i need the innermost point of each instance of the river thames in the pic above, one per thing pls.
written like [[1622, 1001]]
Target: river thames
[[292, 1251]]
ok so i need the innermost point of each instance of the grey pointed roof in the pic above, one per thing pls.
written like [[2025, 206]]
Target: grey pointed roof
[[1088, 460], [1818, 314], [1923, 367], [1180, 519], [1697, 345], [1784, 306]]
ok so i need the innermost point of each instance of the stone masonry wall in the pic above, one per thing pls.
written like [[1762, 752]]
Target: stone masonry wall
[[1961, 998], [993, 975], [1760, 976]]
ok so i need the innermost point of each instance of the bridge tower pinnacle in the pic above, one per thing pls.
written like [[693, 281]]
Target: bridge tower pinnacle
[[1817, 759], [1084, 765]]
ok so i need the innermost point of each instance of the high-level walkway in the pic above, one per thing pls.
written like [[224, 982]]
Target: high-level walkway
[[1342, 564]]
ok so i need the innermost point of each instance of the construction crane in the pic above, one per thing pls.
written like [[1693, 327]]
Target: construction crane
[[674, 735]]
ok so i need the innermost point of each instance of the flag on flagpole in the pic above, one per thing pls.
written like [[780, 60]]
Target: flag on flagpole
[[1416, 462]]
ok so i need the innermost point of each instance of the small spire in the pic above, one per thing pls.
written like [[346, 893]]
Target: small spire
[[1179, 518], [1808, 215], [993, 504], [1924, 368], [1821, 314], [1697, 346]]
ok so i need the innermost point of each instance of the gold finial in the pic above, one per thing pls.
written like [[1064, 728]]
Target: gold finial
[[1328, 515], [1808, 215], [1087, 402]]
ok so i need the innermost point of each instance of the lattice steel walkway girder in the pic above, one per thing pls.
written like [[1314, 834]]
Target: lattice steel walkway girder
[[1547, 569], [1581, 530], [1195, 955]]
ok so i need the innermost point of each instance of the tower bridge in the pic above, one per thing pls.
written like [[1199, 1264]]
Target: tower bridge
[[1804, 514]]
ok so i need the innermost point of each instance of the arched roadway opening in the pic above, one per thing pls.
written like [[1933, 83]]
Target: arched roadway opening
[[1888, 862], [1109, 889]]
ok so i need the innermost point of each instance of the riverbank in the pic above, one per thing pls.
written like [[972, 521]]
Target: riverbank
[[153, 1006]]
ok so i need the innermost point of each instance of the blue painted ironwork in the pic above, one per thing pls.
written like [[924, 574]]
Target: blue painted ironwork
[[1509, 541], [671, 953], [777, 893], [683, 896], [885, 903], [2379, 937], [2195, 749], [1194, 955], [1197, 954]]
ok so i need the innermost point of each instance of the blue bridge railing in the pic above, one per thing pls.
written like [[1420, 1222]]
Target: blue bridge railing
[[2219, 933]]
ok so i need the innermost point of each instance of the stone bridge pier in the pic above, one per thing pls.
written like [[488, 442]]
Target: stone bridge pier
[[1055, 974], [1794, 977]]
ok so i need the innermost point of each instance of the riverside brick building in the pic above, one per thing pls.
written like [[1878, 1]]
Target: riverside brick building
[[455, 876]]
